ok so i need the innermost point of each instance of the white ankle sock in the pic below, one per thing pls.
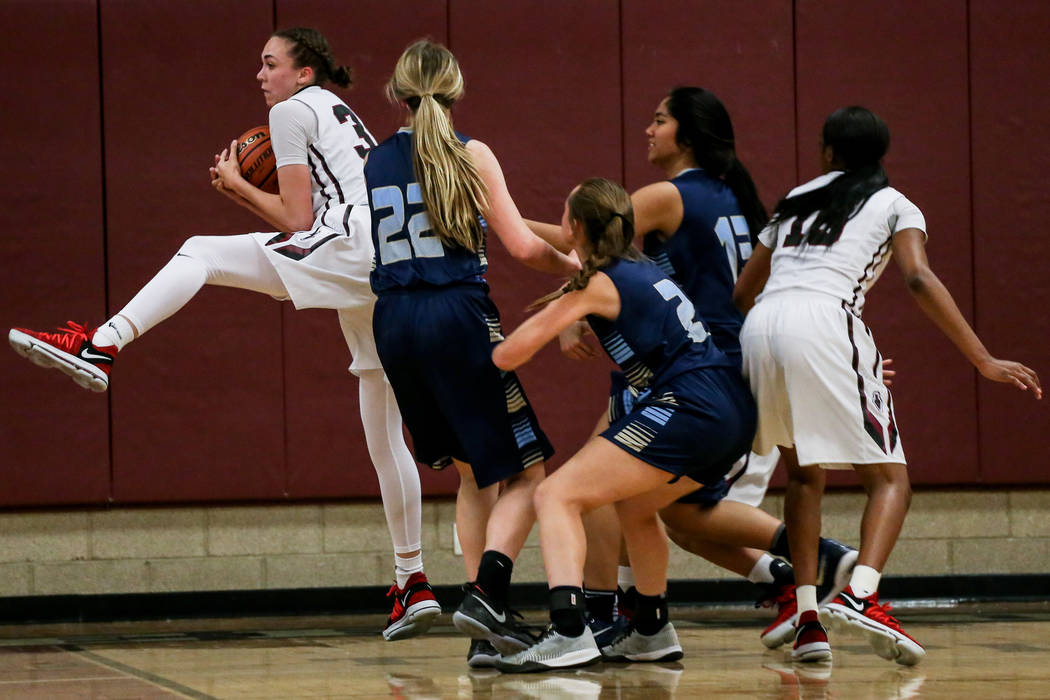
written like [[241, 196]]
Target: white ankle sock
[[116, 331], [761, 573], [807, 598], [864, 581], [624, 577], [404, 567]]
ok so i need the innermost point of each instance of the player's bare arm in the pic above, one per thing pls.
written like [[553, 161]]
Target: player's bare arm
[[936, 302]]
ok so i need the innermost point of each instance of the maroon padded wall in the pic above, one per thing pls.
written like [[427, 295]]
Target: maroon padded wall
[[746, 59], [240, 398], [1009, 62], [327, 456], [54, 434], [917, 82], [198, 408], [547, 103]]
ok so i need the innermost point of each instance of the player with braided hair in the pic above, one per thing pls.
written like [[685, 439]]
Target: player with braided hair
[[320, 256], [694, 418]]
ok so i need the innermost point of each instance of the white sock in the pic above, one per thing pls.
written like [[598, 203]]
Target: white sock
[[117, 331], [761, 573], [864, 581], [404, 567], [624, 577], [807, 598]]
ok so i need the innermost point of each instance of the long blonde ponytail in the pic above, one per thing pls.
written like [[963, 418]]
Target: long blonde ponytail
[[428, 80]]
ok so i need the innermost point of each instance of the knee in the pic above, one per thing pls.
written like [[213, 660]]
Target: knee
[[194, 247], [544, 495]]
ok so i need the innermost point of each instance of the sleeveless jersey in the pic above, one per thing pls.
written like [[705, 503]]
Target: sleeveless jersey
[[705, 254], [408, 252], [657, 335], [317, 129], [849, 267]]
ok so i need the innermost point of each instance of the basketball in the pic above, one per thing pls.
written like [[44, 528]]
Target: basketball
[[255, 156]]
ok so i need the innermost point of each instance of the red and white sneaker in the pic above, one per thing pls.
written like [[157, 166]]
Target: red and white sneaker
[[782, 630], [415, 609], [811, 639], [848, 612], [70, 351]]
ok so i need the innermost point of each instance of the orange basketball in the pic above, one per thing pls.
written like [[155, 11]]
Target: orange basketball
[[255, 156]]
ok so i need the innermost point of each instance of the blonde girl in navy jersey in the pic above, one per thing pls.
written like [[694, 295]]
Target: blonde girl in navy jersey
[[695, 420], [434, 196], [816, 374], [319, 255]]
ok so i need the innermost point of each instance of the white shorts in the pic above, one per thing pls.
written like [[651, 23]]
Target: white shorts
[[817, 379], [328, 266], [750, 487]]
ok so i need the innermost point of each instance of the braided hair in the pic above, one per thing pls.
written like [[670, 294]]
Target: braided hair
[[603, 208], [308, 47]]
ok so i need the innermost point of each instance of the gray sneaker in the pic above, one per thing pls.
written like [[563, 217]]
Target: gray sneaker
[[632, 645], [553, 652], [480, 617], [482, 654]]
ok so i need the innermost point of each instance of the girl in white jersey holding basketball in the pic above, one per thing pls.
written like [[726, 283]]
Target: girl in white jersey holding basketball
[[816, 373], [320, 257]]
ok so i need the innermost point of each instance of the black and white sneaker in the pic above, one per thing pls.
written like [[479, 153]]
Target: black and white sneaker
[[482, 654], [552, 652], [834, 568], [631, 645], [479, 617]]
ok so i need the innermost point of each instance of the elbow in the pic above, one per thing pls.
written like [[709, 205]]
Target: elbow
[[503, 357], [500, 359], [300, 224], [918, 281]]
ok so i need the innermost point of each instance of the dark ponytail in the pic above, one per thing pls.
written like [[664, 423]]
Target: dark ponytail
[[310, 48], [858, 139], [705, 128]]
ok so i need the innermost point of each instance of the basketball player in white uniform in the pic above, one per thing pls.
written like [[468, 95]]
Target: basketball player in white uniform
[[817, 375], [320, 257]]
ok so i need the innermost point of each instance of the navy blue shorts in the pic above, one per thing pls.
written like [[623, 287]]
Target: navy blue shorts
[[697, 424], [436, 348]]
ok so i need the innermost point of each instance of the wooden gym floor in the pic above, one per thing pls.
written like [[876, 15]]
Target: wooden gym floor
[[974, 651]]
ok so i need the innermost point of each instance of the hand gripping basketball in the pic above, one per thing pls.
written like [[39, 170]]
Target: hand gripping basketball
[[255, 157]]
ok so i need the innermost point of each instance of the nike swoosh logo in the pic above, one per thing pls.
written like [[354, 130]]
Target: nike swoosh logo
[[500, 617], [855, 604], [87, 354]]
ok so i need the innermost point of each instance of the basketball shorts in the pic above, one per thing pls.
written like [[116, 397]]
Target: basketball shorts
[[697, 425], [436, 347], [622, 397], [817, 378], [328, 266]]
